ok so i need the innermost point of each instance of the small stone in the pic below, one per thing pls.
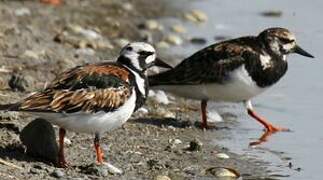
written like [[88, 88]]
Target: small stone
[[142, 110], [22, 12], [162, 177], [57, 173], [46, 146], [127, 6], [153, 25], [161, 97], [162, 45], [146, 36], [30, 54], [196, 16], [85, 51], [122, 42], [178, 28], [222, 172], [104, 44], [272, 13], [177, 141], [214, 116], [198, 41], [195, 145], [33, 171], [174, 39], [164, 113], [18, 83], [222, 156], [199, 15], [112, 169]]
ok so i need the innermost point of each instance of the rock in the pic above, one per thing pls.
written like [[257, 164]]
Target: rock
[[127, 6], [122, 42], [222, 156], [195, 145], [142, 110], [175, 141], [39, 138], [214, 116], [112, 169], [57, 173], [30, 54], [85, 51], [223, 172], [87, 33], [17, 82], [272, 13], [174, 39], [192, 170], [198, 41], [101, 170], [161, 112], [196, 16], [221, 38], [146, 36], [162, 177], [153, 25], [22, 12], [161, 97], [162, 45], [178, 28]]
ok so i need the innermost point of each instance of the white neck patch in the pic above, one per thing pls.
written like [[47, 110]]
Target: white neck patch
[[139, 81], [265, 61]]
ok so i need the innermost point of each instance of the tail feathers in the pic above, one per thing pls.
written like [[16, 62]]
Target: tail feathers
[[9, 107]]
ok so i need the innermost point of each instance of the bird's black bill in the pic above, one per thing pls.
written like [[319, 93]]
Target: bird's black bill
[[160, 63], [302, 52]]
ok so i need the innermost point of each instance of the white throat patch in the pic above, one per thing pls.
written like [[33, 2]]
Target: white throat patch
[[265, 61]]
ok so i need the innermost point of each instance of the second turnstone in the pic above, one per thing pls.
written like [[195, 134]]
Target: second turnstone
[[234, 70], [94, 98]]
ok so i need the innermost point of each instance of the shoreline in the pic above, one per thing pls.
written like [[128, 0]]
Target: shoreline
[[153, 144]]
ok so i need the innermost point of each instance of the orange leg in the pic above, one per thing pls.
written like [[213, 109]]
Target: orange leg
[[61, 157], [99, 152], [269, 127], [204, 117], [52, 2]]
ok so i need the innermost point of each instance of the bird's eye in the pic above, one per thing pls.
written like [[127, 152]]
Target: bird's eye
[[145, 53], [129, 48], [286, 41]]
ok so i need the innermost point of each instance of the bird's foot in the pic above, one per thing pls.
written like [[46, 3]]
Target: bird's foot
[[52, 2]]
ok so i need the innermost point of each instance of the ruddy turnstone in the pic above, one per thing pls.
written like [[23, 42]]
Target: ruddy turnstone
[[94, 98], [234, 70]]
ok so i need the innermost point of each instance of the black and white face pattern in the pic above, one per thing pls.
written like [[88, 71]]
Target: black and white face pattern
[[141, 55], [279, 40]]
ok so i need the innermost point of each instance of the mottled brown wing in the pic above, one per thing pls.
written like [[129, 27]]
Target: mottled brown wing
[[209, 65], [89, 88], [84, 100]]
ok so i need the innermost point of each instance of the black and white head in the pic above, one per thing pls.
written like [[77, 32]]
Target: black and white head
[[140, 56], [280, 42]]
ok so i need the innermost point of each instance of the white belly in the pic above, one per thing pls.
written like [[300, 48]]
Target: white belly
[[239, 87], [92, 123]]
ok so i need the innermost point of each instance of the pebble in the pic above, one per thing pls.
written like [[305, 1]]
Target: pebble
[[30, 54], [153, 25], [178, 28], [161, 97], [164, 113], [142, 110], [214, 116], [146, 36], [57, 173], [177, 141], [162, 177], [195, 145], [46, 146], [127, 6], [87, 33], [196, 16], [22, 12], [272, 13], [174, 39], [198, 41], [222, 172], [17, 82], [112, 169], [162, 45], [85, 51], [122, 42], [222, 156]]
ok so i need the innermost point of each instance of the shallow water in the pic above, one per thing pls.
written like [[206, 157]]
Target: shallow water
[[295, 102]]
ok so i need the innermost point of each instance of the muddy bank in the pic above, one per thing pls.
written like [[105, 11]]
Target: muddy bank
[[39, 41]]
